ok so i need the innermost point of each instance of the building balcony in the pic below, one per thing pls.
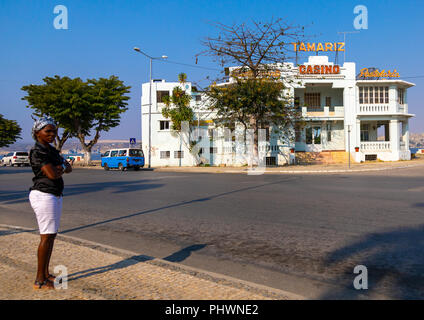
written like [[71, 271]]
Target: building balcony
[[324, 112], [382, 109], [375, 146]]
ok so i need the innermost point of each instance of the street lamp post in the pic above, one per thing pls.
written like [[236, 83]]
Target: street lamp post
[[150, 99]]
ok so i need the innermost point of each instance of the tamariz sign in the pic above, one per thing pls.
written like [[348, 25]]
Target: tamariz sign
[[319, 69]]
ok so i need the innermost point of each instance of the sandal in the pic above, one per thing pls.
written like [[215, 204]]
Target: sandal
[[51, 277], [45, 285]]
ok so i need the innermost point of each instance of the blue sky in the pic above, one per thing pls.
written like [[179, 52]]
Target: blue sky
[[102, 34]]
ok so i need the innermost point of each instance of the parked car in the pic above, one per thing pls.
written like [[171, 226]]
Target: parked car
[[16, 158], [123, 159]]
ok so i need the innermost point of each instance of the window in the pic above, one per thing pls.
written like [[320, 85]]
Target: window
[[106, 154], [309, 135], [164, 125], [22, 153], [313, 100], [160, 95], [165, 154], [365, 94], [178, 154], [373, 95], [198, 98], [114, 153], [136, 153], [122, 153], [401, 96], [317, 135], [364, 132], [328, 101], [313, 135], [213, 150]]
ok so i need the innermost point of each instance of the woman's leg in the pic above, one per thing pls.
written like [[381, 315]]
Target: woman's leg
[[51, 244], [43, 254]]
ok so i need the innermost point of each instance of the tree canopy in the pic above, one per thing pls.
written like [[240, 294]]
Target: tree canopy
[[9, 132], [80, 108], [257, 95]]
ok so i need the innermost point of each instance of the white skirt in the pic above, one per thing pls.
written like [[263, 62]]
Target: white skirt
[[48, 209]]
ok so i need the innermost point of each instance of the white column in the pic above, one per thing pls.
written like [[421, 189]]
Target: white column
[[406, 133], [394, 138], [393, 98]]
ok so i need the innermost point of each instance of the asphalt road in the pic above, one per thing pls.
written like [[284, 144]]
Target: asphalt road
[[300, 233]]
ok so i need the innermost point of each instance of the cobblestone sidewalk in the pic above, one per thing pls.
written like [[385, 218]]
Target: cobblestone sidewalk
[[97, 272]]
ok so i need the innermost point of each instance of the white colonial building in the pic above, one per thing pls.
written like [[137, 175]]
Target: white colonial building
[[366, 119]]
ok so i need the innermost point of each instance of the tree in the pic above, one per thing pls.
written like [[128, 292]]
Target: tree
[[177, 109], [79, 107], [257, 47], [62, 98], [255, 103], [256, 98], [107, 100], [9, 132]]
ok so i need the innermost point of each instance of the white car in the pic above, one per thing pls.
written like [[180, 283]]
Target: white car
[[16, 158]]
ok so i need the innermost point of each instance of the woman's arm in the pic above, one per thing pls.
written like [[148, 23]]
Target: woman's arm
[[52, 172]]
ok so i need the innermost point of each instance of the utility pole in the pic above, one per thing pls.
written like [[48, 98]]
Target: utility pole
[[344, 40]]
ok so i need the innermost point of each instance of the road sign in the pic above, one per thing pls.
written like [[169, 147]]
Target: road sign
[[132, 141]]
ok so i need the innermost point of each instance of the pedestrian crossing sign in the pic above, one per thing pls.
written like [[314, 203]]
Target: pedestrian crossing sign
[[132, 140]]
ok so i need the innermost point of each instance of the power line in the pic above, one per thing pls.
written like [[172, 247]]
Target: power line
[[190, 65]]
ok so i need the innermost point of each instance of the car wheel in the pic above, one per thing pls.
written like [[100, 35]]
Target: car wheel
[[121, 167], [106, 167]]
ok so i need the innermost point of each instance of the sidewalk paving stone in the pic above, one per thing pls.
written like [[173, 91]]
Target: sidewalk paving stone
[[97, 272]]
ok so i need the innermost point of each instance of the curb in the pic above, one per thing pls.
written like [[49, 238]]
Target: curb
[[229, 281]]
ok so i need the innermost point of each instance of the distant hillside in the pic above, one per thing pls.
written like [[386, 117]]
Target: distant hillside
[[71, 146], [416, 140]]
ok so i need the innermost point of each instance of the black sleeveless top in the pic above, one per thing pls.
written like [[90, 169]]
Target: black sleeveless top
[[39, 156]]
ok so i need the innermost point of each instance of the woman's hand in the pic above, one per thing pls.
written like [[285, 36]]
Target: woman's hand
[[68, 167]]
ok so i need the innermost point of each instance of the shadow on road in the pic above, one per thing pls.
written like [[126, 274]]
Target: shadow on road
[[118, 265], [184, 253], [15, 170], [394, 260], [9, 232], [178, 256], [176, 205], [19, 196]]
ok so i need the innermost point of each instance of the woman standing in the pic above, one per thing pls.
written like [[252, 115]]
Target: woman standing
[[46, 194]]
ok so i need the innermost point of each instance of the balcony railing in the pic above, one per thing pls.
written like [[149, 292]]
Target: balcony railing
[[323, 112], [374, 108], [375, 146], [383, 108]]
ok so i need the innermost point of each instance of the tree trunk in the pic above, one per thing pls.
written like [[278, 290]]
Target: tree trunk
[[87, 156], [254, 126]]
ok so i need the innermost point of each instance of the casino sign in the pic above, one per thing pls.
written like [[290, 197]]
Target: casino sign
[[319, 69]]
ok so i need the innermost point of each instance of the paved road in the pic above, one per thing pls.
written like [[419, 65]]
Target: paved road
[[300, 233]]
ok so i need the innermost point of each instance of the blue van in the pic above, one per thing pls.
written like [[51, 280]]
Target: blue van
[[123, 159]]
